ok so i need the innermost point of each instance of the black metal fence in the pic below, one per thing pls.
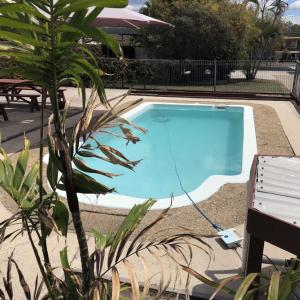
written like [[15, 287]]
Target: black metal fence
[[201, 75]]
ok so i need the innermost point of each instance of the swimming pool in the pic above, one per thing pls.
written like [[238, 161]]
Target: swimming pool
[[191, 147]]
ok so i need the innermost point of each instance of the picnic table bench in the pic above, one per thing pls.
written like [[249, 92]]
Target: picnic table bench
[[15, 90], [17, 86], [3, 112], [31, 99], [60, 93]]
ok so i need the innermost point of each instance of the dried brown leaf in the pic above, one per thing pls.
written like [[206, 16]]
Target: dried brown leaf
[[116, 285], [48, 220], [133, 280], [146, 282], [96, 293], [129, 136], [85, 168]]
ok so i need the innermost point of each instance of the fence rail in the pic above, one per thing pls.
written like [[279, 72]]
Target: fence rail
[[201, 75]]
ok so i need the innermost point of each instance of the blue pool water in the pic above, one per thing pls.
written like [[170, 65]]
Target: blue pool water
[[189, 142]]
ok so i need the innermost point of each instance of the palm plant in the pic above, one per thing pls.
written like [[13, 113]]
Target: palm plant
[[111, 251], [280, 285], [44, 46], [44, 36]]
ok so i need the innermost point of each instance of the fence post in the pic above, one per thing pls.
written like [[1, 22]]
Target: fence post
[[215, 75], [295, 78]]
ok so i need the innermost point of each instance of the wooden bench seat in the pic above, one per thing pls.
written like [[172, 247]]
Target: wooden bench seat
[[31, 99], [60, 93]]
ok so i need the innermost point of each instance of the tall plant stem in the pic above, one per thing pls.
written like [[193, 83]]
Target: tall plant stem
[[43, 240], [65, 158], [38, 260]]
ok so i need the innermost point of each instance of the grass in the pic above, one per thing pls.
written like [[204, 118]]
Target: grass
[[253, 86]]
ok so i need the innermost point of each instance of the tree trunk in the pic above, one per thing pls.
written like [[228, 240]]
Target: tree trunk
[[66, 162], [73, 204]]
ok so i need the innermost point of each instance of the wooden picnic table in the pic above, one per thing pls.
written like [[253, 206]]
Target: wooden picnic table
[[9, 88], [10, 82], [17, 86], [12, 87]]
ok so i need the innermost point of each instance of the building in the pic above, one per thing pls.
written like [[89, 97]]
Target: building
[[290, 49]]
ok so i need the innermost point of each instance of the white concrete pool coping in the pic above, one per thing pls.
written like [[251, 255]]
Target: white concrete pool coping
[[210, 186]]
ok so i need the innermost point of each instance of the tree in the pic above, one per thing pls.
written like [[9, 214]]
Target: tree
[[291, 28], [202, 29], [270, 26]]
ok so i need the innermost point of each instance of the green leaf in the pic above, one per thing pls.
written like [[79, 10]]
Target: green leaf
[[71, 288], [4, 72], [64, 258], [290, 280], [274, 286], [101, 36], [87, 185], [42, 5], [2, 171], [245, 285], [69, 28], [86, 68], [27, 205], [20, 8], [61, 216], [127, 227], [30, 179], [53, 165], [16, 37], [13, 23], [24, 55], [8, 174], [21, 165], [100, 240], [52, 174]]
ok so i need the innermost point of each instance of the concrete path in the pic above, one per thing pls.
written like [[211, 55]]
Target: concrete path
[[224, 262]]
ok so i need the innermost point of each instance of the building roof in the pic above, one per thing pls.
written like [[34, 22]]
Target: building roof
[[277, 189]]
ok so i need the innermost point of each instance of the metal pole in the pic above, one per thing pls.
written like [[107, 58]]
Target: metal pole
[[215, 75], [295, 80], [122, 46]]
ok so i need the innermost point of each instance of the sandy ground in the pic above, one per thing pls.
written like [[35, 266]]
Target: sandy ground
[[226, 207]]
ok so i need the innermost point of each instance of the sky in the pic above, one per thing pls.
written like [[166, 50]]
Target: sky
[[292, 14], [135, 4]]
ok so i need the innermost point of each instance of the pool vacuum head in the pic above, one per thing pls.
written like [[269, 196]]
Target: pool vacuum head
[[230, 238]]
